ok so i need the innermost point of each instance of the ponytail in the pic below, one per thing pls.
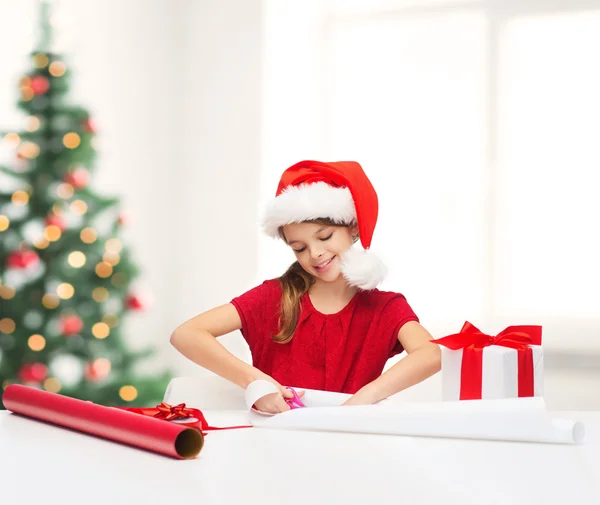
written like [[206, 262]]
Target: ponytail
[[295, 283]]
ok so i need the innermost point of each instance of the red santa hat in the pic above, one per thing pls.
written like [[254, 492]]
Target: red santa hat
[[340, 191]]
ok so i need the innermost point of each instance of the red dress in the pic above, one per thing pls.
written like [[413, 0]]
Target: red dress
[[331, 352]]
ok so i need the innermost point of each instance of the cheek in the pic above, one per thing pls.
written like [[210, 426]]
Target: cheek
[[342, 244], [301, 257]]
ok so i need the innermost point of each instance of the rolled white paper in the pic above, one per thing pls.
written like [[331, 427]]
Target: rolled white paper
[[511, 419], [477, 419]]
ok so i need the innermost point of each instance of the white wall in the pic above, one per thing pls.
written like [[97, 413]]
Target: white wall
[[214, 251]]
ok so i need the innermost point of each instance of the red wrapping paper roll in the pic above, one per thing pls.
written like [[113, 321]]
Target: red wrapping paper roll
[[111, 423]]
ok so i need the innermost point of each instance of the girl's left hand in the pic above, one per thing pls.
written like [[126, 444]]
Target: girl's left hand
[[360, 398]]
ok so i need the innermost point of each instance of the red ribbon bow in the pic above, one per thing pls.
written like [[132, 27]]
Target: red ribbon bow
[[180, 411], [473, 341], [165, 411]]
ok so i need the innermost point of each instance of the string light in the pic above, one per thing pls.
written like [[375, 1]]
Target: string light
[[41, 243], [20, 198], [128, 393], [88, 235], [7, 292], [4, 223], [52, 384], [7, 325], [100, 330], [76, 259], [52, 233], [113, 245], [119, 280], [29, 150], [100, 295], [57, 68], [65, 190], [26, 93], [111, 258], [12, 139], [65, 290], [79, 207], [50, 301], [104, 269], [36, 342], [111, 320], [71, 140], [32, 123], [40, 60]]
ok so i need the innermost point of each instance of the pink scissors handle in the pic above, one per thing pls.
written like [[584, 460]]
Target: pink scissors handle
[[295, 402]]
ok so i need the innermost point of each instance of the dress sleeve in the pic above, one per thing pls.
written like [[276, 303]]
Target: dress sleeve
[[257, 309], [395, 314]]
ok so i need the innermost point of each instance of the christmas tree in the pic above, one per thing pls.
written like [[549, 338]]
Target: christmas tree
[[65, 275]]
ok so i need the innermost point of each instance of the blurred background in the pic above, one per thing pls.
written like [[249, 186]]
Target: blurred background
[[478, 122]]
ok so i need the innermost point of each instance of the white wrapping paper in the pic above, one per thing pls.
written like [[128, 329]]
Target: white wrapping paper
[[500, 372], [511, 419], [474, 419]]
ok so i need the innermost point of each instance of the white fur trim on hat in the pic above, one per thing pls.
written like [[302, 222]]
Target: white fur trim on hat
[[306, 202], [362, 269]]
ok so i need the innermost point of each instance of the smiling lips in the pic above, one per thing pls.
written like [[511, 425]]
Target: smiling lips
[[323, 266]]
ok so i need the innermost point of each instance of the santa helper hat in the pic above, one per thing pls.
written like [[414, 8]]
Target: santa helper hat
[[340, 191]]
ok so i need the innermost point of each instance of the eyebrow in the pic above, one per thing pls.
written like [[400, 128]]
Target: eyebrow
[[317, 232]]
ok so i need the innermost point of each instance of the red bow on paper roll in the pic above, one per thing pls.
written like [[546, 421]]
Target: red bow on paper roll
[[473, 341], [165, 411], [178, 412]]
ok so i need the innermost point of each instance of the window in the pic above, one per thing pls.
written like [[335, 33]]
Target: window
[[479, 125]]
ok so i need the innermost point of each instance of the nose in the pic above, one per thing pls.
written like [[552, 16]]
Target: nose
[[316, 253]]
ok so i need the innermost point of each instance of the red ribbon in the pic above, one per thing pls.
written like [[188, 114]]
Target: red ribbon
[[180, 411], [473, 341]]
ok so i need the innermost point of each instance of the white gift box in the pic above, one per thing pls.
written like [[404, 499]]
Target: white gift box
[[500, 372]]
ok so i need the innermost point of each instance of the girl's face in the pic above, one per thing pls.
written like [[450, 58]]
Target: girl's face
[[318, 247]]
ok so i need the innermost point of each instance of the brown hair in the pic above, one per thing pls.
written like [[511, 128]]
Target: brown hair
[[295, 283]]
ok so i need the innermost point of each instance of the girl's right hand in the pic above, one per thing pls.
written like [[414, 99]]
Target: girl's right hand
[[274, 403]]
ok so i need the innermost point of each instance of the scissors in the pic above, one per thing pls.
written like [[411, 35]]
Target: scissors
[[295, 402]]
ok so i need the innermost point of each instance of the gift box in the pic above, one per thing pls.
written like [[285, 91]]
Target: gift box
[[479, 366]]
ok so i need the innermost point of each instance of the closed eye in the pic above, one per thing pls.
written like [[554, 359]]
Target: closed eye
[[299, 250], [326, 238]]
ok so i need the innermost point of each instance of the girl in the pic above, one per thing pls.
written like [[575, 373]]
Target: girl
[[322, 324]]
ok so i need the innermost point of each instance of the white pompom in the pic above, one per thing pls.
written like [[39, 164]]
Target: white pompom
[[362, 269]]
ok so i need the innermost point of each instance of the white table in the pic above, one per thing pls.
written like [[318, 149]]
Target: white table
[[41, 463]]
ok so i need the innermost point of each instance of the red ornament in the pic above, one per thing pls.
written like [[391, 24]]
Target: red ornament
[[98, 370], [78, 178], [33, 373], [89, 125], [134, 302], [71, 325], [125, 218], [53, 219], [40, 85], [22, 259]]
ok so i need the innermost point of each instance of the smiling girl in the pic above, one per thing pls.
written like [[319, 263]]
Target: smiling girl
[[323, 324]]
